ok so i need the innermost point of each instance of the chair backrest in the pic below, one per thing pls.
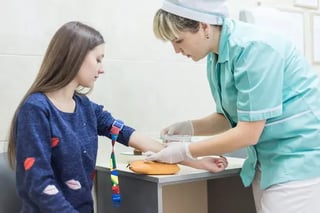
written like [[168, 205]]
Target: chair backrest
[[9, 201]]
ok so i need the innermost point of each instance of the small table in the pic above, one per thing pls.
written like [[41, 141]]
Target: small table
[[189, 191]]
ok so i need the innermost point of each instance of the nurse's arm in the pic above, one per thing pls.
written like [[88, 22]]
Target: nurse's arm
[[243, 135], [145, 143], [212, 124]]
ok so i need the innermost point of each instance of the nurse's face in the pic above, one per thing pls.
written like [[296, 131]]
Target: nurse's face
[[193, 45]]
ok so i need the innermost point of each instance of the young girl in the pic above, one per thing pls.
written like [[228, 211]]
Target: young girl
[[54, 132]]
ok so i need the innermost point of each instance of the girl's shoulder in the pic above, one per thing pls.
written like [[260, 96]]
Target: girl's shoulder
[[38, 98], [35, 102]]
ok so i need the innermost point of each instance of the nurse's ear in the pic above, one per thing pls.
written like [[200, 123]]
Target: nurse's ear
[[211, 34], [205, 28]]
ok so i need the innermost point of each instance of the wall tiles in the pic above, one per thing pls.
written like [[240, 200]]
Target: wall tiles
[[126, 27], [3, 146], [17, 74], [146, 83], [150, 95]]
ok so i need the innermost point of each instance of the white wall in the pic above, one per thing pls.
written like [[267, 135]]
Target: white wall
[[145, 83]]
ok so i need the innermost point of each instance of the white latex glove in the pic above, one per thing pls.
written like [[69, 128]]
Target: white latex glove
[[175, 152], [180, 128]]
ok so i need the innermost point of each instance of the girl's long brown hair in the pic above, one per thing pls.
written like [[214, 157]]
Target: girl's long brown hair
[[61, 63]]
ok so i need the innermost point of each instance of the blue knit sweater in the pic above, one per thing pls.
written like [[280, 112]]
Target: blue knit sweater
[[56, 153]]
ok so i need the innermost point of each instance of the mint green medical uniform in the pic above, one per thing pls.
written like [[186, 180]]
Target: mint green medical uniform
[[259, 75]]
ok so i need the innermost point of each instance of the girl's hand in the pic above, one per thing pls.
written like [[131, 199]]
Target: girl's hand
[[211, 164]]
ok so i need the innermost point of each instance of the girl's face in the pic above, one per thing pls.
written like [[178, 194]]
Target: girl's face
[[91, 67]]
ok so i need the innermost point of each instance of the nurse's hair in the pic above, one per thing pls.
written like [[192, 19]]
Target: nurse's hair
[[168, 26], [60, 65]]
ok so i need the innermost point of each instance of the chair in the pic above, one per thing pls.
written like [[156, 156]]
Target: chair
[[9, 201]]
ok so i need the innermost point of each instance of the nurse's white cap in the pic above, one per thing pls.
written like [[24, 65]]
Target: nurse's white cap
[[207, 11]]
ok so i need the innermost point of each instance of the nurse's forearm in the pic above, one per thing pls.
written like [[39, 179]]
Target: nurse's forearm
[[210, 125], [243, 135], [144, 143]]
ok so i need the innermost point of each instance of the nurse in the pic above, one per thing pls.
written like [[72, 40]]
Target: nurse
[[267, 99]]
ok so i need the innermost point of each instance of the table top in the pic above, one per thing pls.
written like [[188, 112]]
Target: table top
[[186, 174]]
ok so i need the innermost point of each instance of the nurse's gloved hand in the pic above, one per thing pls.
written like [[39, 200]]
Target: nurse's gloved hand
[[180, 128], [175, 152]]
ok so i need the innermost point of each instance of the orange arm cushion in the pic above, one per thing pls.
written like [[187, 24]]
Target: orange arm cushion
[[153, 168]]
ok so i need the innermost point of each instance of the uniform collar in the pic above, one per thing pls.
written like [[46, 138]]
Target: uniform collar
[[227, 28]]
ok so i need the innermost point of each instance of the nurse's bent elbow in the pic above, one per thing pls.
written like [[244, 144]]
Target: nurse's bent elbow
[[252, 142], [251, 131]]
